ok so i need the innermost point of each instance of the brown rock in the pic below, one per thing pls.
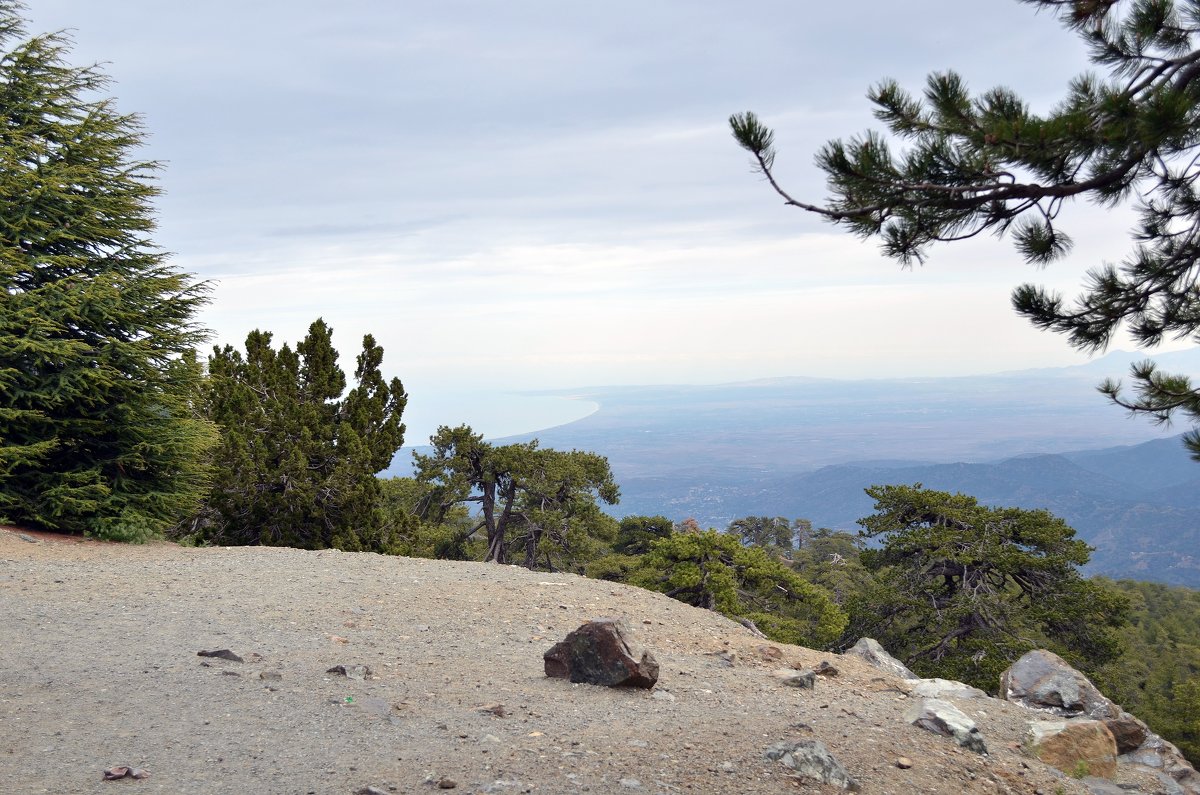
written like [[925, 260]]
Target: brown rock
[[904, 763], [1128, 731], [826, 669], [769, 652], [1076, 747], [599, 653]]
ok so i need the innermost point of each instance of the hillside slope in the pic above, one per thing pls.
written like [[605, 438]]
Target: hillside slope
[[99, 667]]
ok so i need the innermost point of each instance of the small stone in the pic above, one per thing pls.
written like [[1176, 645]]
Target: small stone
[[729, 767], [769, 652], [370, 791], [826, 669], [227, 672], [662, 695], [358, 672], [27, 538], [224, 654], [805, 680], [903, 762], [492, 709], [630, 783], [942, 717], [489, 738], [447, 783], [812, 760], [870, 650], [270, 676]]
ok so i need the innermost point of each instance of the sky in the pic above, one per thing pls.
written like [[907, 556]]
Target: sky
[[542, 195]]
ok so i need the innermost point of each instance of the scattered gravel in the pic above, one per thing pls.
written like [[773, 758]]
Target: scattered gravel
[[99, 668]]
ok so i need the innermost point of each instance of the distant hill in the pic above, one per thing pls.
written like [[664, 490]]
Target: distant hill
[[808, 447]]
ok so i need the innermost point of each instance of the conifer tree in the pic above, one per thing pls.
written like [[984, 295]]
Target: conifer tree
[[297, 462], [98, 431], [986, 163]]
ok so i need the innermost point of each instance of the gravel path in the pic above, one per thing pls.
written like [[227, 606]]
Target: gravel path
[[99, 668]]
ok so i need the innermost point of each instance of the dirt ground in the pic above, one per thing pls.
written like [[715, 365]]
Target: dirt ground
[[99, 668]]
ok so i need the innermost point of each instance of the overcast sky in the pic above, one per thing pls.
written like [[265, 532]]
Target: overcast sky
[[532, 194]]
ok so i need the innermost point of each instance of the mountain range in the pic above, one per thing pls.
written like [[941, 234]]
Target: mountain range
[[807, 447]]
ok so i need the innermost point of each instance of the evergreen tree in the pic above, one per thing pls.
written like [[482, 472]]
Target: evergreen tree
[[98, 431], [713, 570], [297, 462], [988, 164], [962, 590], [535, 502]]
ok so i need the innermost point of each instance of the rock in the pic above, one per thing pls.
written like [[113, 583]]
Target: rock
[[498, 710], [630, 783], [224, 654], [942, 717], [806, 680], [663, 695], [447, 783], [1043, 680], [270, 676], [124, 771], [945, 688], [1128, 731], [371, 791], [27, 538], [826, 669], [769, 652], [599, 653], [1100, 786], [1079, 748], [870, 650], [359, 672], [812, 760], [903, 762]]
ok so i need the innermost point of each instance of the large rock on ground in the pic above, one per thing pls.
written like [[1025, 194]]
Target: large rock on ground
[[1081, 747], [600, 653], [944, 688], [812, 760], [1044, 681], [942, 717], [870, 650]]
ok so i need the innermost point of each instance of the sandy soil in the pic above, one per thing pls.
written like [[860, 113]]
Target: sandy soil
[[99, 668]]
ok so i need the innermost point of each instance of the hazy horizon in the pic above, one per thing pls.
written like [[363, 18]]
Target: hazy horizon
[[536, 196]]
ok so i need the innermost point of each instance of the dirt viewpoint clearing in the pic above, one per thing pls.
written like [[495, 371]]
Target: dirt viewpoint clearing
[[99, 668]]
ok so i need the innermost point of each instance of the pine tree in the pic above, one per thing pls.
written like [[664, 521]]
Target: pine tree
[[98, 431], [297, 462], [988, 164], [962, 590]]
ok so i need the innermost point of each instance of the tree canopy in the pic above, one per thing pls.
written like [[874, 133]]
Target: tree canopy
[[538, 503], [98, 429], [713, 570], [297, 461], [962, 590], [970, 164]]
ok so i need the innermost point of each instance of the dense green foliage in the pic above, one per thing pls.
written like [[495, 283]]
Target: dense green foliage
[[297, 462], [1157, 678], [713, 570], [987, 163], [962, 590], [534, 503], [98, 432]]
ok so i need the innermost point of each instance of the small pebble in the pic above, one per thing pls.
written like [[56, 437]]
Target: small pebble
[[904, 763], [447, 783]]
